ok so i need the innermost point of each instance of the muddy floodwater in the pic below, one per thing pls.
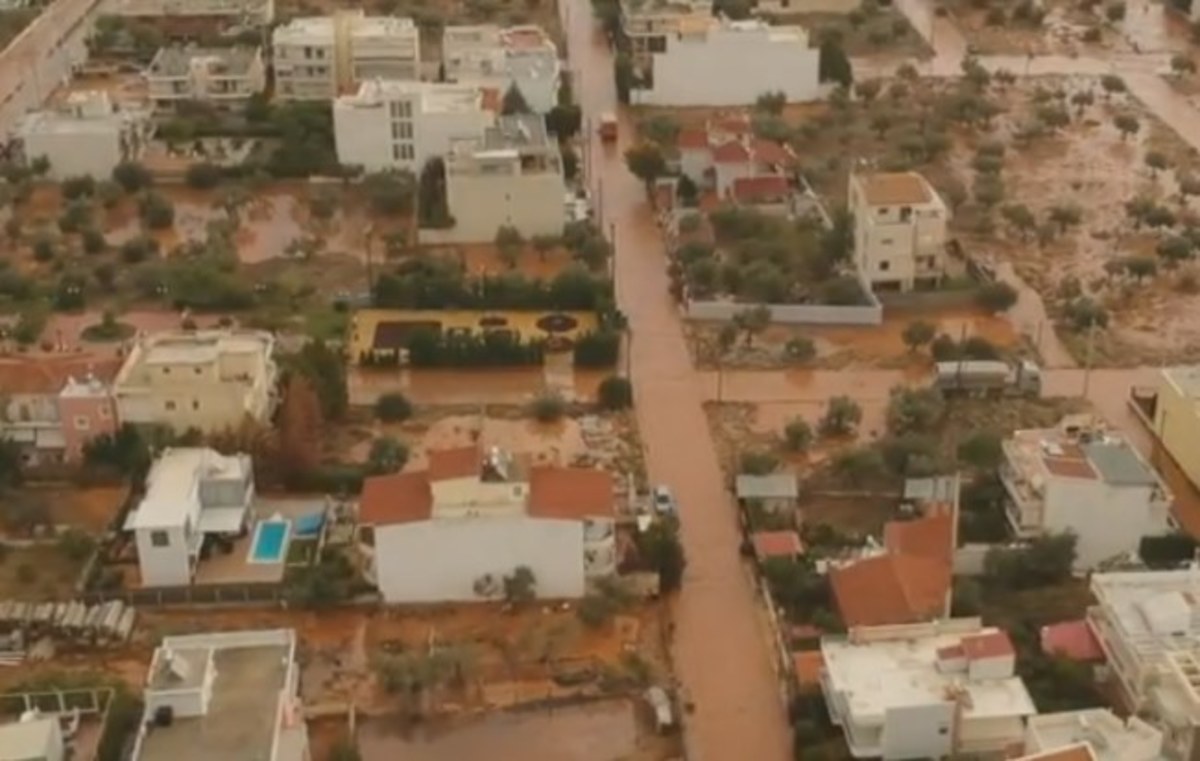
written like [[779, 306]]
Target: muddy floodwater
[[592, 732]]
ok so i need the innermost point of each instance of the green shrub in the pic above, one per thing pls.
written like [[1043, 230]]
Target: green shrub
[[393, 407], [615, 393]]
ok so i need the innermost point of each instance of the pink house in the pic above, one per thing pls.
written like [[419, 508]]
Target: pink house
[[50, 406]]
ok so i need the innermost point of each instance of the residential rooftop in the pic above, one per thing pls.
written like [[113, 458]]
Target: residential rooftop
[[434, 97], [904, 666], [1186, 378], [774, 486], [1155, 612], [88, 111], [320, 29], [1077, 452], [517, 131], [173, 485], [249, 679], [192, 347], [53, 374], [181, 60], [1109, 737], [894, 188], [28, 738]]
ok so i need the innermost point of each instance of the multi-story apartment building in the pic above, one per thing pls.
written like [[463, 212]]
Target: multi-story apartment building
[[523, 57], [937, 690], [1176, 417], [1097, 731], [711, 61], [647, 24], [321, 57], [1147, 624], [50, 407], [209, 380], [218, 76], [1083, 479], [453, 531], [401, 125], [512, 177], [899, 229], [85, 136]]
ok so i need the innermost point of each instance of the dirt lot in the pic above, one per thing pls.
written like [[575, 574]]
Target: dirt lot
[[89, 509], [849, 347], [40, 572], [1070, 27]]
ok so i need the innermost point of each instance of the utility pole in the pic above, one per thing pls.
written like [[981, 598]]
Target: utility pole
[[1091, 346]]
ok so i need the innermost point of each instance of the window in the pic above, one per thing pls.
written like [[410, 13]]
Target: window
[[105, 413], [905, 213], [197, 370], [308, 52], [885, 265], [657, 44], [406, 152], [160, 539], [170, 406], [885, 242], [82, 423], [402, 131], [401, 109], [195, 404], [166, 371]]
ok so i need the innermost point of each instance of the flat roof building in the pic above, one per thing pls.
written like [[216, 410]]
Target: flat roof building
[[321, 57], [523, 57], [1105, 735], [229, 695], [85, 136], [225, 76]]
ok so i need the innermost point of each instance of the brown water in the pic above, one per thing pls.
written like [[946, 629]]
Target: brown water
[[590, 732]]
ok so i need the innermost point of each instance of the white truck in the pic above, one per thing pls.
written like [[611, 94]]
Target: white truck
[[989, 378]]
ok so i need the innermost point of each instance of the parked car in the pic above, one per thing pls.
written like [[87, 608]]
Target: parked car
[[664, 501], [660, 703]]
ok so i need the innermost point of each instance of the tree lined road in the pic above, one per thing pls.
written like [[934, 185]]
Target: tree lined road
[[721, 649]]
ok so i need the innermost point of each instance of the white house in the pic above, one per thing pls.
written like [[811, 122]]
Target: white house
[[86, 136], [715, 62], [454, 531], [219, 76], [1086, 480], [228, 695], [321, 57], [647, 24], [520, 56], [391, 124], [1147, 624], [190, 493], [1105, 735], [512, 177], [925, 690], [33, 737], [899, 229]]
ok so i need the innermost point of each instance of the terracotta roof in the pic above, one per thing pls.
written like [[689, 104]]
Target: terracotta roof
[[493, 99], [951, 652], [1071, 639], [807, 665], [570, 493], [756, 189], [695, 139], [395, 498], [460, 462], [731, 152], [1080, 752], [776, 544], [735, 124], [928, 537], [891, 589], [895, 188], [48, 375], [990, 645], [771, 152]]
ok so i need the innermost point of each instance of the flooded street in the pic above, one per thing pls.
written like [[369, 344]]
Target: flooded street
[[722, 654]]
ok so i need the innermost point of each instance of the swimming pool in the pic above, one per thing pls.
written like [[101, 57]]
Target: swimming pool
[[270, 541]]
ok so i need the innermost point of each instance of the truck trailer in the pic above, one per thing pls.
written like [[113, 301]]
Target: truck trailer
[[989, 378]]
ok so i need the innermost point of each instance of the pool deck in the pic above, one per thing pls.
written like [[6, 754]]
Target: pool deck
[[236, 567]]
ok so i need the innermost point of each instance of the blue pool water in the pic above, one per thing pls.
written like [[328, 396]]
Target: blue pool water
[[270, 541]]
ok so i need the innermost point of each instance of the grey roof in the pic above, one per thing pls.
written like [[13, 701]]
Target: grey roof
[[176, 60], [936, 489], [775, 486], [517, 131], [1118, 464]]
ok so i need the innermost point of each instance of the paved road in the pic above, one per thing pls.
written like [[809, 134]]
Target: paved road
[[721, 650]]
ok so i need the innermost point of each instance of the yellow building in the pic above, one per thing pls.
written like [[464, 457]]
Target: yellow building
[[385, 331], [204, 379], [1177, 417]]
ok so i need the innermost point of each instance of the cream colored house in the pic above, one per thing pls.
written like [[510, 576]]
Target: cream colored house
[[209, 380], [512, 177], [1177, 417], [321, 57], [220, 76], [899, 229]]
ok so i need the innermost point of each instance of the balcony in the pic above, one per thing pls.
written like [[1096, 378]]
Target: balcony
[[1025, 506]]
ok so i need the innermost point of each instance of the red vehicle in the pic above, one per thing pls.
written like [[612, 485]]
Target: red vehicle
[[608, 127]]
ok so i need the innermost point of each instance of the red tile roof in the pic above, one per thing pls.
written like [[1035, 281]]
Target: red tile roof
[[736, 124], [460, 462], [808, 665], [891, 589], [732, 152], [1071, 639], [395, 498], [48, 375], [694, 139], [760, 189], [771, 152], [928, 537], [570, 493], [990, 645], [493, 100], [776, 544]]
